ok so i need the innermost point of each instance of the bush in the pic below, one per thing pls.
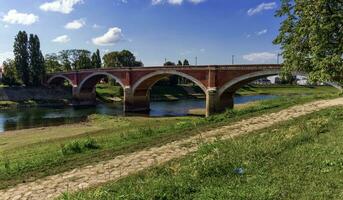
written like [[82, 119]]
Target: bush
[[76, 147]]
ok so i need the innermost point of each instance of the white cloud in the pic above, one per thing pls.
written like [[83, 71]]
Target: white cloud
[[262, 32], [175, 2], [15, 17], [62, 39], [6, 55], [261, 7], [113, 36], [76, 24], [260, 57], [62, 6]]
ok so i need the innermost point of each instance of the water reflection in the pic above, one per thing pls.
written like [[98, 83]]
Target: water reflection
[[41, 117]]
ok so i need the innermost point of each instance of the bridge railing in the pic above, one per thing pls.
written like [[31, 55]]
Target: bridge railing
[[234, 67]]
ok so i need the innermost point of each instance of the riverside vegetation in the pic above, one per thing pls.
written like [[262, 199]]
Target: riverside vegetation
[[297, 159], [27, 155]]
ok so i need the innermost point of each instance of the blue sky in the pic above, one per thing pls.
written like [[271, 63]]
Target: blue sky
[[212, 30]]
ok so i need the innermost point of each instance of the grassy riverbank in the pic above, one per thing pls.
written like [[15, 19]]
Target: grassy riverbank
[[107, 93], [298, 159], [30, 154]]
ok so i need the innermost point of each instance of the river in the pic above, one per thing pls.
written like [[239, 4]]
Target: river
[[41, 117]]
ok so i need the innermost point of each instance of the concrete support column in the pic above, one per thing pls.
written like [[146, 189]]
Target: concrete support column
[[216, 103], [225, 101], [136, 102], [211, 100], [87, 97]]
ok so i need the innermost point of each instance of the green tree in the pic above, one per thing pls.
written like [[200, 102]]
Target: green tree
[[36, 61], [121, 59], [9, 76], [75, 59], [63, 57], [83, 60], [52, 64], [21, 57], [311, 37], [169, 63], [185, 62], [179, 63], [96, 59]]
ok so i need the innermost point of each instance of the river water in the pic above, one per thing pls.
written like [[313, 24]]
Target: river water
[[40, 117]]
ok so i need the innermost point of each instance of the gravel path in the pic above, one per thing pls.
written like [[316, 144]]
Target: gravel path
[[111, 170]]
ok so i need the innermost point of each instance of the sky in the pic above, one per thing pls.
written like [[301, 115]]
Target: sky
[[154, 30]]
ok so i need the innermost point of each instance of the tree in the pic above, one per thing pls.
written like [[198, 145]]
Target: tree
[[63, 57], [185, 62], [121, 59], [9, 73], [311, 37], [82, 60], [179, 63], [51, 63], [75, 59], [169, 63], [21, 57], [36, 61], [96, 59]]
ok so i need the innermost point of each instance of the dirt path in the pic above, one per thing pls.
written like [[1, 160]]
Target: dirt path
[[111, 170]]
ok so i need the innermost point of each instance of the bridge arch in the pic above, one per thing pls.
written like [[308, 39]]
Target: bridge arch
[[236, 83], [139, 99], [59, 79], [94, 78], [154, 77]]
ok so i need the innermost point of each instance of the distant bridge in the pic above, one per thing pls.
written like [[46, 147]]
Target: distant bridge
[[219, 82]]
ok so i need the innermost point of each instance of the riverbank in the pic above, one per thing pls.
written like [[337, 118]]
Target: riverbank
[[242, 121], [46, 151], [110, 93], [296, 159], [19, 97]]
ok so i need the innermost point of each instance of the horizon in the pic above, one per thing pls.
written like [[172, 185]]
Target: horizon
[[154, 30]]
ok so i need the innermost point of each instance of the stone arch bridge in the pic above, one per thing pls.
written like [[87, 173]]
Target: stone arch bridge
[[219, 82]]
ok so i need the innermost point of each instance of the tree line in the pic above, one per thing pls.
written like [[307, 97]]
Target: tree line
[[29, 66]]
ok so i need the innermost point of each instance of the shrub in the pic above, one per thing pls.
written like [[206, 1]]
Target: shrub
[[76, 146]]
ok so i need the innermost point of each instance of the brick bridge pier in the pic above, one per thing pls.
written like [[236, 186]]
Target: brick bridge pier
[[218, 82]]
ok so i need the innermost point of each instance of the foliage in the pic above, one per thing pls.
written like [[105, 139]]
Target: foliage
[[52, 63], [169, 63], [311, 37], [9, 76], [96, 59], [64, 58], [185, 62], [121, 59], [36, 61], [21, 57], [79, 146]]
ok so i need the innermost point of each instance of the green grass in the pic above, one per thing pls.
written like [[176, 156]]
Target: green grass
[[285, 90], [298, 159], [38, 153], [106, 92]]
